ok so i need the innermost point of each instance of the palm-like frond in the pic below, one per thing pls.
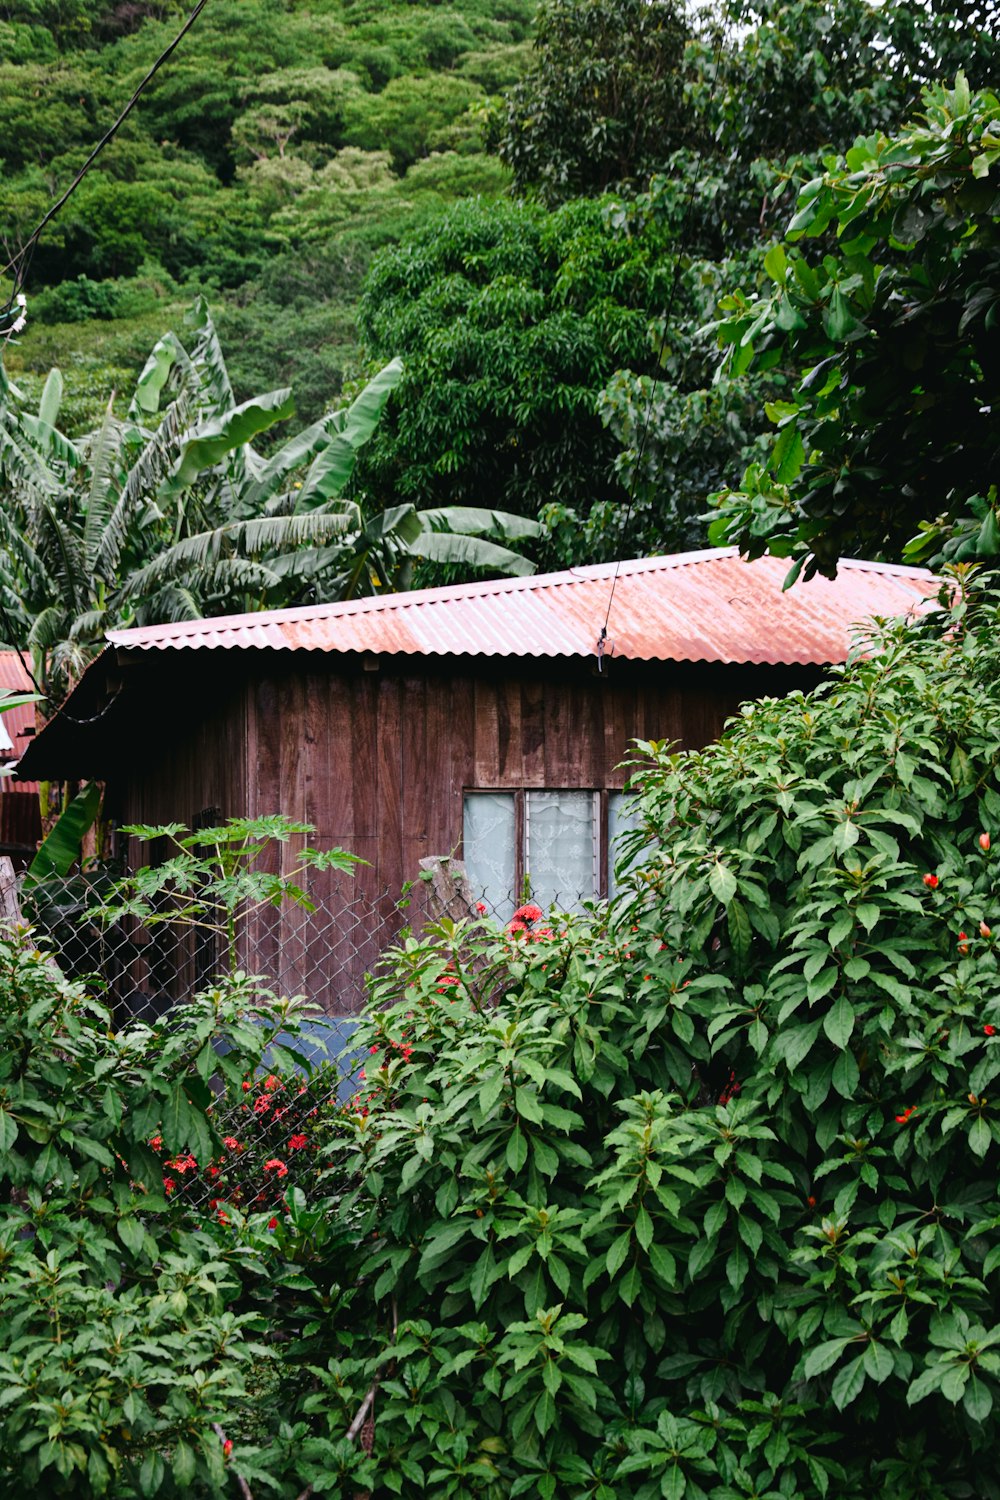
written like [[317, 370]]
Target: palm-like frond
[[144, 477], [266, 536], [104, 456], [167, 354]]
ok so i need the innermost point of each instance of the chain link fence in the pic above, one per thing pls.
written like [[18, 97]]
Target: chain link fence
[[275, 1134]]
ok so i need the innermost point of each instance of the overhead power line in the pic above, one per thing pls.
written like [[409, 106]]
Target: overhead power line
[[20, 262]]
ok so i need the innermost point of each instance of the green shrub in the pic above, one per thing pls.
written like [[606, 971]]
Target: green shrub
[[704, 1202]]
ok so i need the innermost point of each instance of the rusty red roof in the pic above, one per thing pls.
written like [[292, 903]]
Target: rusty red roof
[[17, 725], [691, 606]]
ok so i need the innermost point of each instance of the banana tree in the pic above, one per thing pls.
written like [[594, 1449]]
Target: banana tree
[[172, 513]]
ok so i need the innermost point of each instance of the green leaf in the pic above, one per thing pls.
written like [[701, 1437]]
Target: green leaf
[[517, 1150], [848, 1383], [722, 883], [617, 1252], [846, 1075], [8, 1131], [878, 1362], [131, 1234], [823, 1356], [210, 442], [838, 1023], [980, 1136], [184, 1465], [152, 1474], [61, 849], [978, 1400]]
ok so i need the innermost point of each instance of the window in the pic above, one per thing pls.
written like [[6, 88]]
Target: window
[[554, 847]]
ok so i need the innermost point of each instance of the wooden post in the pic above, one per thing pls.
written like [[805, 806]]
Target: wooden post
[[10, 907], [446, 894]]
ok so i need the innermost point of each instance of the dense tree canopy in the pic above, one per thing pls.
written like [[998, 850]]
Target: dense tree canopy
[[888, 334]]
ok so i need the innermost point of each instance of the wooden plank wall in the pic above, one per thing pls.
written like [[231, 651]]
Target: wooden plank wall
[[378, 761]]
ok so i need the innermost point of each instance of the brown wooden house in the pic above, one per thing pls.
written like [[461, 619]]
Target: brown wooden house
[[20, 818], [487, 721]]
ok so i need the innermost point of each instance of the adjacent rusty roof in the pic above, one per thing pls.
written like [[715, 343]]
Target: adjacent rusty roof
[[691, 606], [17, 725]]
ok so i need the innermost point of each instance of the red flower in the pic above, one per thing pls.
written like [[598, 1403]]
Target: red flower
[[811, 1201], [274, 1165], [481, 908], [297, 1142], [231, 1143], [183, 1164], [932, 882], [963, 942], [271, 1083], [247, 1085], [272, 1223], [262, 1105], [373, 1051], [168, 1185], [902, 1119], [985, 931], [529, 913], [989, 1030], [984, 842], [156, 1142]]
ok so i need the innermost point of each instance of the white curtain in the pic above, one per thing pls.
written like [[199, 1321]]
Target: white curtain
[[561, 848], [623, 814], [488, 845]]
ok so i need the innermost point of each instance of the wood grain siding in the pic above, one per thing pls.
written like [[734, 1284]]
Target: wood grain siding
[[378, 761]]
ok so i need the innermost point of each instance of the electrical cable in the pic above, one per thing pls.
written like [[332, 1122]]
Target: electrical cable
[[724, 31], [28, 248]]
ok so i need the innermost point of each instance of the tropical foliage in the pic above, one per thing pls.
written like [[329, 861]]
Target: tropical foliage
[[171, 513], [887, 333], [704, 1203]]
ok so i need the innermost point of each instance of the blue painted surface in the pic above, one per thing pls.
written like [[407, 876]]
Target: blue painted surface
[[329, 1041]]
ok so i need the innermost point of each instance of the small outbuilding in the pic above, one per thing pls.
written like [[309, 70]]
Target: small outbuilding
[[20, 816], [487, 721]]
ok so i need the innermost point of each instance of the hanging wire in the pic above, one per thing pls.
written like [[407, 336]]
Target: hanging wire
[[724, 31], [20, 262]]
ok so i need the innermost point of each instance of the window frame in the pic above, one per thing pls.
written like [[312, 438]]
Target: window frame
[[602, 847]]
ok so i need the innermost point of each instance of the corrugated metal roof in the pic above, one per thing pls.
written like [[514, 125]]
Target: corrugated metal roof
[[691, 606], [19, 723]]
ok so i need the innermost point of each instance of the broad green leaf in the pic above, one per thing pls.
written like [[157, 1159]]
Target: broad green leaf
[[878, 1362], [61, 849], [210, 443], [517, 1150], [978, 1400], [823, 1356], [980, 1136], [838, 1023], [848, 1383], [722, 883]]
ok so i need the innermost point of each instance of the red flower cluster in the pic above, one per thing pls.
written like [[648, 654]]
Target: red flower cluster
[[731, 1089], [298, 1142], [911, 1109], [277, 1166], [523, 922], [989, 1030], [931, 882]]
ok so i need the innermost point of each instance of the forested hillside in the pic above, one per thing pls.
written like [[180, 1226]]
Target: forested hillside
[[552, 218], [280, 146]]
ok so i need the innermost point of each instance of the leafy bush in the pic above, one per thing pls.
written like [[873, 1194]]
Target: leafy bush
[[123, 1340], [704, 1203]]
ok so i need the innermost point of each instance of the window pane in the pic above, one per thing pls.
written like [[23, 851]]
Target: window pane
[[561, 830], [488, 847], [623, 814]]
